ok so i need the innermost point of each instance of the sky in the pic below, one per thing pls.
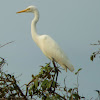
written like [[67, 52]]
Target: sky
[[73, 24]]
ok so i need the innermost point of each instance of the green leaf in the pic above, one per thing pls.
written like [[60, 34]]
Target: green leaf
[[44, 84], [32, 76], [70, 90], [49, 84], [76, 96], [36, 82], [54, 84], [91, 58], [30, 92], [78, 71]]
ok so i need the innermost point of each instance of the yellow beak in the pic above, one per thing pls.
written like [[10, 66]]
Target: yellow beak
[[22, 11]]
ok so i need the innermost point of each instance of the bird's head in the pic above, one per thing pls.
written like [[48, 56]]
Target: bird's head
[[28, 9]]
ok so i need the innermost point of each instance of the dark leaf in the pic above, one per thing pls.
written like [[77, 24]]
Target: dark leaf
[[78, 71], [76, 96], [36, 82], [70, 90], [91, 58]]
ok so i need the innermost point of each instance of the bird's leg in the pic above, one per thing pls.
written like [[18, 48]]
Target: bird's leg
[[56, 73]]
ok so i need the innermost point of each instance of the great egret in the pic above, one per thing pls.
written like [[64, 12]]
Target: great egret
[[48, 46]]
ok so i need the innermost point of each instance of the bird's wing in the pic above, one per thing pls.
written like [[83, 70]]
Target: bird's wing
[[52, 50]]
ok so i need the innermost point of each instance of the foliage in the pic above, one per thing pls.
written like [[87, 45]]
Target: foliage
[[44, 86], [9, 88], [94, 54]]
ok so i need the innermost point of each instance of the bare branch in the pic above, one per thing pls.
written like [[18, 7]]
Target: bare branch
[[6, 44]]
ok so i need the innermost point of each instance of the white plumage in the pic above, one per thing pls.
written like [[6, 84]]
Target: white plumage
[[48, 46]]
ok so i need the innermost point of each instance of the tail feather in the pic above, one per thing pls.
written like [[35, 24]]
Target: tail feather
[[71, 68]]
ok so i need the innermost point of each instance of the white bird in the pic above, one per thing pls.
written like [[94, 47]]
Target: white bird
[[48, 46]]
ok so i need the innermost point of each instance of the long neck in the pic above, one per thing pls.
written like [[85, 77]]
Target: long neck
[[33, 26]]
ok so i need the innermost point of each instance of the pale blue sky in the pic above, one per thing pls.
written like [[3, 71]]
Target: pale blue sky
[[74, 24]]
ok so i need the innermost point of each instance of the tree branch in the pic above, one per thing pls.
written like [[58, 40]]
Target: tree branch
[[6, 44]]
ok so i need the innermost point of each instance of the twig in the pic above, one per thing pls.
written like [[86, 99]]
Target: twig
[[17, 87], [27, 85], [60, 96], [6, 44], [96, 44]]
